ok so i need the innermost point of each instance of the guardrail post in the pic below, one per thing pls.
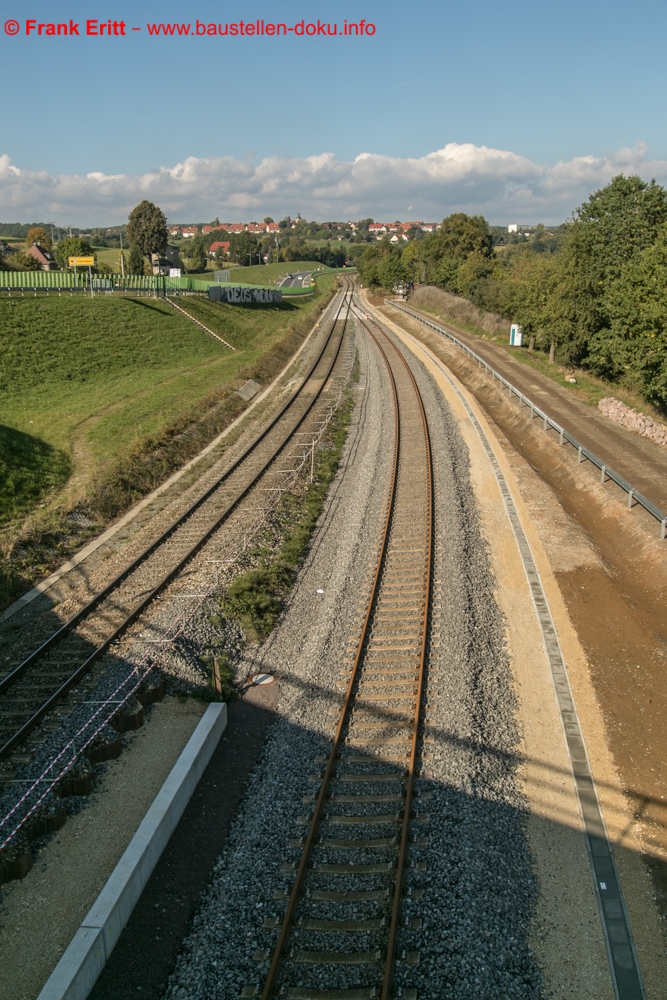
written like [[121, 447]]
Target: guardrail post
[[579, 454], [532, 411], [509, 391], [561, 435], [603, 474], [663, 529], [631, 494], [545, 423]]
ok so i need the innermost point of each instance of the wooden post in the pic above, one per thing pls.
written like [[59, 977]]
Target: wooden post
[[217, 683]]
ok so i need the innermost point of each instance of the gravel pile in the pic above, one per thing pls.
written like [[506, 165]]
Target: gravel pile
[[476, 894]]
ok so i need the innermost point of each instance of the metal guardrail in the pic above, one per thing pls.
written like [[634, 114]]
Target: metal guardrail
[[606, 472]]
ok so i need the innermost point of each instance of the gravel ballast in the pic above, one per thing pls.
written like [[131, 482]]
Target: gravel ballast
[[478, 886]]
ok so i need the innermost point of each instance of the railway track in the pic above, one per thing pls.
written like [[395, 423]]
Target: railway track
[[32, 688], [338, 937]]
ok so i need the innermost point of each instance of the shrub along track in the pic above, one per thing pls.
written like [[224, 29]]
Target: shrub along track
[[33, 687], [355, 852]]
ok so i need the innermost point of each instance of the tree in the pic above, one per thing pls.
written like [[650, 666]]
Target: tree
[[460, 235], [268, 220], [135, 261], [197, 257], [39, 235], [243, 247], [147, 229], [634, 345], [604, 236], [26, 261], [72, 246]]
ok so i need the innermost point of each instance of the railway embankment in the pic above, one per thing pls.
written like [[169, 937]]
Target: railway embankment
[[103, 400]]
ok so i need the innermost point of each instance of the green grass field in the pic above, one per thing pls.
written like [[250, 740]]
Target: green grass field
[[84, 383], [111, 257], [334, 244]]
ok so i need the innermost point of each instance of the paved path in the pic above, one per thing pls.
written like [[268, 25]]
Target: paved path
[[641, 462], [300, 279]]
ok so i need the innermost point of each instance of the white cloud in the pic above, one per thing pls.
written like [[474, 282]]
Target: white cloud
[[499, 184]]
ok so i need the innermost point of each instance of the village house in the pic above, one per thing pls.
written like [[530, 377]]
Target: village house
[[45, 258], [219, 244]]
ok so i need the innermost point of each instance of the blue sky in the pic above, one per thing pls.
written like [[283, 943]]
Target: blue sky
[[543, 82]]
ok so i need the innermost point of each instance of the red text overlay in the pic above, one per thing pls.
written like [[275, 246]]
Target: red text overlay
[[93, 28]]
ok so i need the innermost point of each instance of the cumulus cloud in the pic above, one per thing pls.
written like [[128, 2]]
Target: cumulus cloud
[[497, 183]]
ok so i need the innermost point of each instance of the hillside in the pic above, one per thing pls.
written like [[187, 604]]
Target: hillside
[[95, 396]]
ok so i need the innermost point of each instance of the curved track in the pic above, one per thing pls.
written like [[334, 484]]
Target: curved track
[[37, 684], [350, 882]]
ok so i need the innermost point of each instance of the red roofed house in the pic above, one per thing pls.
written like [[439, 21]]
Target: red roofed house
[[188, 231], [46, 259], [217, 245], [208, 229]]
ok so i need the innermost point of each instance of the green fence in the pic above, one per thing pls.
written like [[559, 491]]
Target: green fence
[[131, 282], [67, 279]]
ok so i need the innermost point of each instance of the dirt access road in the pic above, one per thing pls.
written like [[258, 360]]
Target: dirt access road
[[609, 563], [641, 462]]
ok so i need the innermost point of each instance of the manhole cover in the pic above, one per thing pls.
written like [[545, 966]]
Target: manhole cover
[[262, 679]]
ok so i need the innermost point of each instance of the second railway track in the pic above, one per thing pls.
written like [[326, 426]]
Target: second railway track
[[338, 938], [33, 687]]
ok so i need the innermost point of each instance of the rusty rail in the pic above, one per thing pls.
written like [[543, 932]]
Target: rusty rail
[[382, 576]]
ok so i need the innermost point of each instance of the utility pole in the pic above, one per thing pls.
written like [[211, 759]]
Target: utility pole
[[122, 259]]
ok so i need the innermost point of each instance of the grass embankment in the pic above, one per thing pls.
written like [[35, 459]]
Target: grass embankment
[[256, 599], [463, 314], [111, 257], [101, 399]]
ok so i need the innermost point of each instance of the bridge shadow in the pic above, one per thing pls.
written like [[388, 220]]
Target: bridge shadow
[[509, 902]]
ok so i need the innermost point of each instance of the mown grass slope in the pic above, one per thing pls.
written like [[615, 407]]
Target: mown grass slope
[[100, 399]]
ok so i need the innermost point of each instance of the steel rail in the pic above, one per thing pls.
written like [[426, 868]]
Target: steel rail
[[280, 950], [390, 963], [295, 895], [606, 472], [68, 627]]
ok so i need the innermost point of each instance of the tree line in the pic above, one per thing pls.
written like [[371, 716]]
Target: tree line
[[247, 248], [594, 293]]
